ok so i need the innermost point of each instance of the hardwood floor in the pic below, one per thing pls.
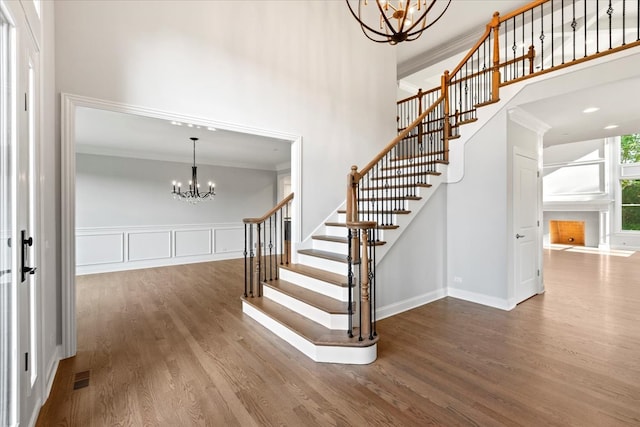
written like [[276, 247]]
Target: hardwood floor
[[171, 347]]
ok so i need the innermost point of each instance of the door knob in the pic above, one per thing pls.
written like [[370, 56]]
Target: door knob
[[519, 236], [24, 252]]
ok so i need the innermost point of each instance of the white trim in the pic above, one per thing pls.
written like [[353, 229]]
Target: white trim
[[69, 103], [317, 353], [328, 320], [409, 304], [528, 121], [51, 372], [495, 302]]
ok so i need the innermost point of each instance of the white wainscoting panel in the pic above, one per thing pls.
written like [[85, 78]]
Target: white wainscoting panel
[[149, 245], [192, 242], [99, 248], [105, 249], [229, 240]]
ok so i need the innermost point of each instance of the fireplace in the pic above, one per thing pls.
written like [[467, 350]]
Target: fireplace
[[566, 232]]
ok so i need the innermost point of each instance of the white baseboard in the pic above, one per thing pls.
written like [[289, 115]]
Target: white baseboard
[[501, 303], [408, 304], [137, 265], [51, 372]]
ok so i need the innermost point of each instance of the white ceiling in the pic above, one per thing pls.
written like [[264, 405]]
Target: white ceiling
[[128, 135], [564, 113]]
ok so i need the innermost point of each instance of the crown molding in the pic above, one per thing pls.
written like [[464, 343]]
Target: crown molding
[[459, 44]]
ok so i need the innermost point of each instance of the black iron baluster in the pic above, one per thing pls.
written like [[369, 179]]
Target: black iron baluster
[[597, 26], [251, 256], [359, 285], [246, 279], [562, 26], [373, 288], [585, 28], [624, 22], [349, 282], [270, 248], [553, 52], [610, 12], [574, 24], [542, 37]]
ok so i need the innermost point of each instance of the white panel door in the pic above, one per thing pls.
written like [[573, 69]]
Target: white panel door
[[525, 220]]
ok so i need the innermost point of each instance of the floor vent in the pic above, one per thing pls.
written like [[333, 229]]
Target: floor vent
[[81, 380]]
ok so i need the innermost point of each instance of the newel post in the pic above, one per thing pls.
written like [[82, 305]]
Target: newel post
[[421, 125], [495, 81], [352, 209], [447, 124]]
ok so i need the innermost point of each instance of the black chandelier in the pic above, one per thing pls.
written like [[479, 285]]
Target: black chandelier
[[397, 21], [193, 195]]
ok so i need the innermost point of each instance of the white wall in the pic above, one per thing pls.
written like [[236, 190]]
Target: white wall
[[413, 273], [301, 68], [117, 191], [477, 219]]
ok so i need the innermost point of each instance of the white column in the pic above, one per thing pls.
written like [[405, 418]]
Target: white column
[[604, 229]]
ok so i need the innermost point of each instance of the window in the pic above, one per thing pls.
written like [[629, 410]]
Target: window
[[630, 148], [629, 180]]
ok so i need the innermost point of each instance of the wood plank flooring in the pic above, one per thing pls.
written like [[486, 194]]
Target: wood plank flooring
[[171, 347]]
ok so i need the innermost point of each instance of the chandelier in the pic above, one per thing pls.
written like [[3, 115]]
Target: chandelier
[[397, 21], [193, 195]]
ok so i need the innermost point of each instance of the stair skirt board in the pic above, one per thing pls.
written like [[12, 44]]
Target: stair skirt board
[[316, 285], [317, 353], [328, 320]]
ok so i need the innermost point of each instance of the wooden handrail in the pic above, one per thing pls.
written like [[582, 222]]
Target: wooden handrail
[[475, 47], [400, 137], [264, 217], [523, 9], [419, 94]]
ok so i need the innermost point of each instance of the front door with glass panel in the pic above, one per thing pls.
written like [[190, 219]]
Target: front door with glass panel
[[20, 377]]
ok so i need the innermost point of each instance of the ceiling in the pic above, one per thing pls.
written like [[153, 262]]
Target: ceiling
[[127, 135], [569, 123]]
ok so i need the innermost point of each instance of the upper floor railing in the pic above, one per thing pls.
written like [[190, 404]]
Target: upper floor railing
[[541, 37]]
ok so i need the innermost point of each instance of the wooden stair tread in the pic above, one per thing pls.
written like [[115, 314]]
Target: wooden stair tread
[[331, 256], [379, 227], [338, 239], [386, 198], [413, 165], [406, 175], [316, 273], [385, 187], [319, 301], [385, 212], [482, 104], [464, 122], [312, 331], [428, 154]]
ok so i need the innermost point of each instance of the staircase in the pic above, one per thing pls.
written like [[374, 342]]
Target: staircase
[[324, 304]]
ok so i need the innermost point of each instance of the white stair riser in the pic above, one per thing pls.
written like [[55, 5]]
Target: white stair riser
[[335, 247], [323, 264], [316, 285], [317, 353], [385, 205], [335, 231], [392, 181], [328, 320]]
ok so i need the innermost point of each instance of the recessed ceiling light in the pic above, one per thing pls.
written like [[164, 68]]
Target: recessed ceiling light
[[590, 110], [189, 125], [212, 129], [176, 123], [611, 127]]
